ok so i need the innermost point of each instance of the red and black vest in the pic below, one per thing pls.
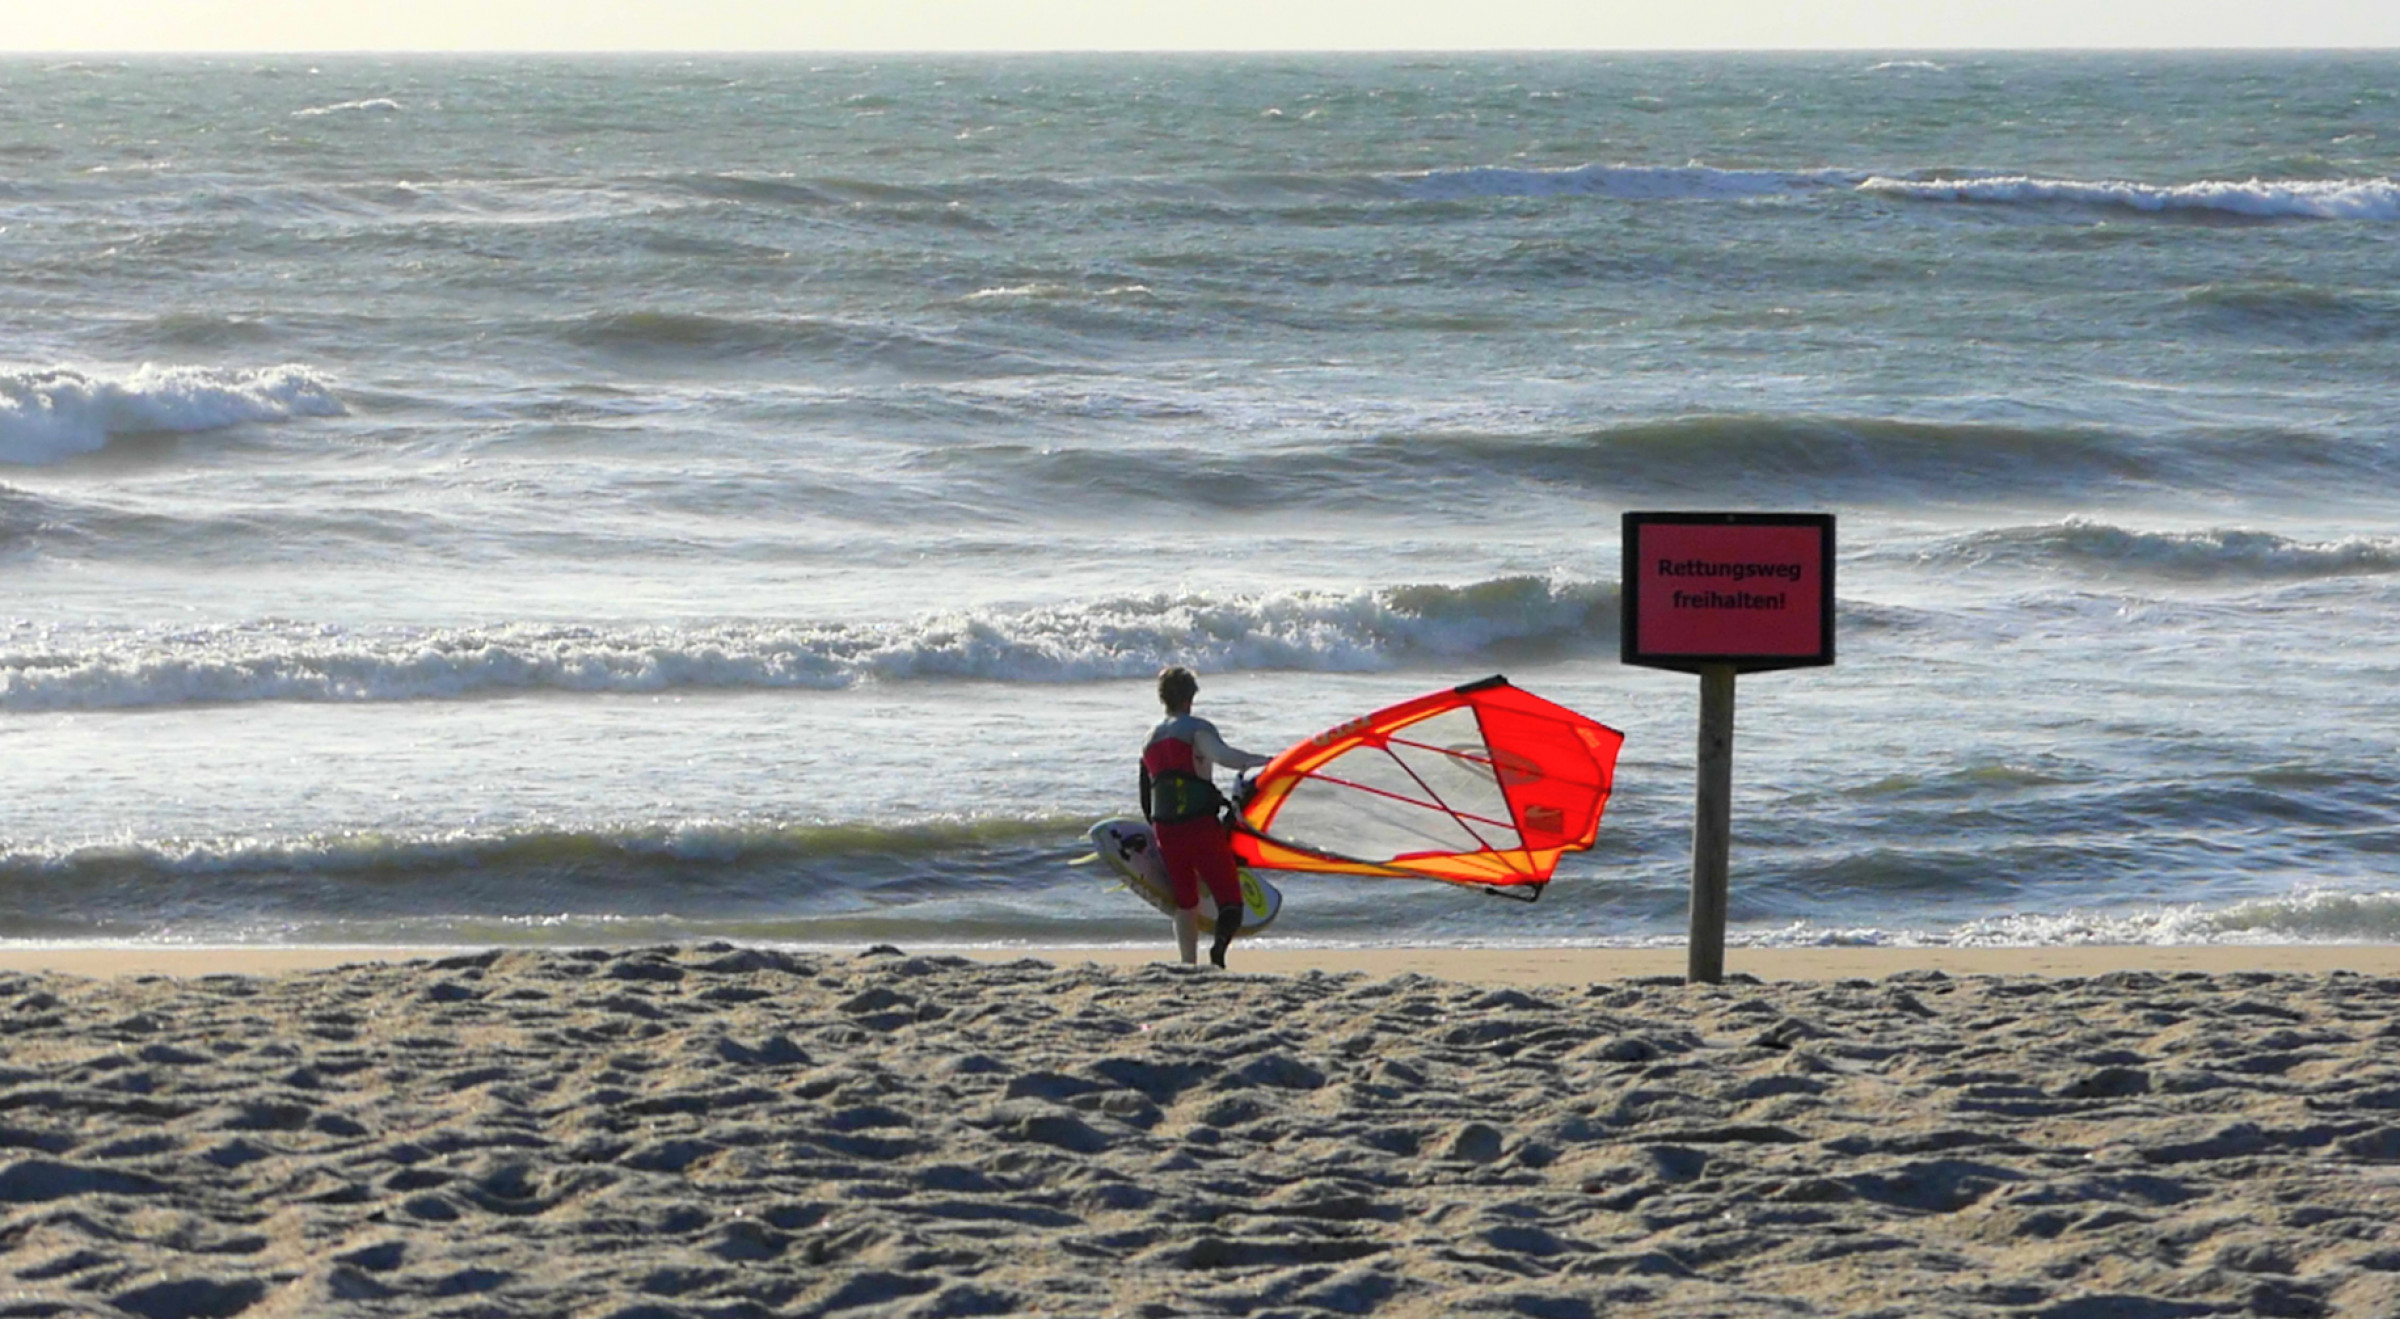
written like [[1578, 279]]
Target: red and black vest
[[1173, 789]]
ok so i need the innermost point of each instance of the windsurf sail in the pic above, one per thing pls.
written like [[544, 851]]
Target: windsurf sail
[[1485, 785]]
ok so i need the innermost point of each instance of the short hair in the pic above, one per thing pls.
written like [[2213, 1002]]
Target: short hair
[[1177, 686]]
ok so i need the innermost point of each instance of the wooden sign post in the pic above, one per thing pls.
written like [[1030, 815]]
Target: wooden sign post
[[1718, 594]]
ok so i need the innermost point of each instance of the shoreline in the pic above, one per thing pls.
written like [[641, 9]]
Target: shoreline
[[1509, 966]]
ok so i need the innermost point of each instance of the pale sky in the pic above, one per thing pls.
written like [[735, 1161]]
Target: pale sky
[[1000, 25]]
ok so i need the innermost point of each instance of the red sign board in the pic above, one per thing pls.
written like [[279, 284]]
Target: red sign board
[[1753, 590]]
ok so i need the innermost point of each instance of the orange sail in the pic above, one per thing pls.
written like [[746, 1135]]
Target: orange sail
[[1484, 784]]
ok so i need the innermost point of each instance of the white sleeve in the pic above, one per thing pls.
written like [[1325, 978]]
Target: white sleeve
[[1208, 742]]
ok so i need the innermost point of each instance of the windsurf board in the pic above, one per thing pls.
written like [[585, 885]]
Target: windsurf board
[[1130, 850]]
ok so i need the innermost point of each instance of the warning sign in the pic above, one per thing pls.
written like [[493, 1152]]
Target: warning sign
[[1753, 590]]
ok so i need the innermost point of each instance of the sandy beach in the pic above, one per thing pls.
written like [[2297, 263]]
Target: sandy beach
[[722, 1131]]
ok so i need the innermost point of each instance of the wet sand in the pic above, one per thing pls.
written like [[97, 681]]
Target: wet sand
[[718, 1131]]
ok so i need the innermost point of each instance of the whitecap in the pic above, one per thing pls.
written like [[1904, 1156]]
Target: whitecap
[[371, 105], [1019, 292]]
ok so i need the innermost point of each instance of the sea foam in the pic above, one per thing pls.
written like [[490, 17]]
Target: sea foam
[[2306, 915], [50, 415]]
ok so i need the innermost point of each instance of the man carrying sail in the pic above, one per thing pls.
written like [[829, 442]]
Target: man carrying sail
[[1184, 808]]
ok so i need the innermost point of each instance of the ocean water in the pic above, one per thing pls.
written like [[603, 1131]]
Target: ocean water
[[573, 500]]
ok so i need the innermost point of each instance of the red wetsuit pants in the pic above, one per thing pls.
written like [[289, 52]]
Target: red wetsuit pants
[[1199, 852]]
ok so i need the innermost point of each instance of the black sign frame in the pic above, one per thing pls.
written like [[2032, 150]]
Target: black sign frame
[[1630, 649]]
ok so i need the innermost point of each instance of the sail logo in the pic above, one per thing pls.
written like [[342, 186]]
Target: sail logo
[[1341, 732]]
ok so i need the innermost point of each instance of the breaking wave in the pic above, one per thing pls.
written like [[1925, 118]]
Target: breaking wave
[[2331, 199], [49, 416], [1360, 631]]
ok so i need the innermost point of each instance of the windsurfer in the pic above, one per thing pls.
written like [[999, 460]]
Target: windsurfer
[[1184, 808]]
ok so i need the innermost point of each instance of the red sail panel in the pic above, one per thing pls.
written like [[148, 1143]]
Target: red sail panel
[[1485, 784]]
